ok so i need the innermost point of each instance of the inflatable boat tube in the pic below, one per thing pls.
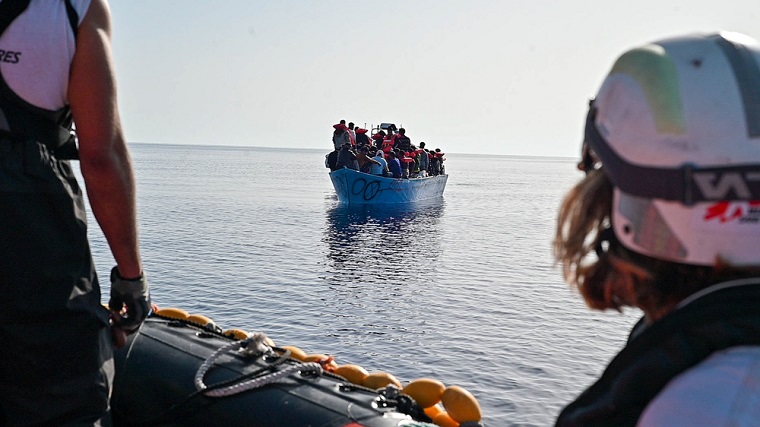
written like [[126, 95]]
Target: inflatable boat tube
[[173, 373]]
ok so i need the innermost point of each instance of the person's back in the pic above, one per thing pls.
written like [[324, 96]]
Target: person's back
[[331, 160], [401, 141], [56, 342], [414, 166], [424, 160], [394, 165], [340, 137], [365, 162], [361, 137], [440, 157], [378, 139], [381, 166], [346, 158], [435, 164], [406, 163]]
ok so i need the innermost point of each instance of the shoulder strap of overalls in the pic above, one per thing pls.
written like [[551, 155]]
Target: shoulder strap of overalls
[[51, 128], [10, 10], [73, 17]]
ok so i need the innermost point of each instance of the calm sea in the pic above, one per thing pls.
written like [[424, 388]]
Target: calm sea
[[462, 289]]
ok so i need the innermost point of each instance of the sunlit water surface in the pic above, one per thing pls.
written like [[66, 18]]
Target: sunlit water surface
[[462, 289]]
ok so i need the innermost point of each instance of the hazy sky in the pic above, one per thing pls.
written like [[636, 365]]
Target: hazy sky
[[499, 77]]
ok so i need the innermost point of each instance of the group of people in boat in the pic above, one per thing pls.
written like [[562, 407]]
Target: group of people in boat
[[388, 154]]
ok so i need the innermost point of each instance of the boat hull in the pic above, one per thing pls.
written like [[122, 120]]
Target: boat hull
[[154, 385], [355, 187]]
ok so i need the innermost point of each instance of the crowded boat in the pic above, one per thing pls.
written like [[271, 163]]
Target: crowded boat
[[385, 150]]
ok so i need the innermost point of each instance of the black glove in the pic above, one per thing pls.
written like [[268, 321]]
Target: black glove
[[135, 295]]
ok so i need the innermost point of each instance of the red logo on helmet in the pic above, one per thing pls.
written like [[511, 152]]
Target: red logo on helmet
[[734, 211]]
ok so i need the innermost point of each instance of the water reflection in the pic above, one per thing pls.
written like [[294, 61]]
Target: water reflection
[[382, 242], [380, 264]]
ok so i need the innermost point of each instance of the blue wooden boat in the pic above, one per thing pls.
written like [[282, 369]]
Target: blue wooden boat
[[354, 187]]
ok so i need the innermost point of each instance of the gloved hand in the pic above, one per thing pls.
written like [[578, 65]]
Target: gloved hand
[[135, 295]]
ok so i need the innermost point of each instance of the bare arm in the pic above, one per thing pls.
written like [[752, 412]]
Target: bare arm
[[104, 159]]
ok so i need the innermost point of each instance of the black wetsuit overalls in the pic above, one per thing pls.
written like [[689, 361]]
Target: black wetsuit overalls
[[55, 346]]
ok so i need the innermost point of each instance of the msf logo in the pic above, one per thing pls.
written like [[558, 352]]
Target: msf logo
[[742, 212], [720, 187]]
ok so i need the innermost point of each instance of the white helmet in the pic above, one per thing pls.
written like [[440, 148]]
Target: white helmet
[[676, 125]]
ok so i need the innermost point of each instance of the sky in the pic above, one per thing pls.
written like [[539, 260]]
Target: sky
[[480, 76]]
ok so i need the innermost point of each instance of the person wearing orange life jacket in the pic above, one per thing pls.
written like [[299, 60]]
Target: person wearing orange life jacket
[[340, 135], [387, 144], [440, 154], [405, 161], [435, 162], [361, 137], [377, 139], [401, 141], [424, 160], [414, 166]]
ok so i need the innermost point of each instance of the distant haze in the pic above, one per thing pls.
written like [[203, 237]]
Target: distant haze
[[485, 77]]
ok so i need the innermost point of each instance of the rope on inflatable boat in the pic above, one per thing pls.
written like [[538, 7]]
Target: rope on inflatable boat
[[255, 345]]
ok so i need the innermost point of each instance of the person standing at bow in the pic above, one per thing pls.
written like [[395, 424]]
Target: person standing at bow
[[56, 342]]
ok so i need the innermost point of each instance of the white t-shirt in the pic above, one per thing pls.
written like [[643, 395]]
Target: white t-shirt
[[723, 390], [36, 51]]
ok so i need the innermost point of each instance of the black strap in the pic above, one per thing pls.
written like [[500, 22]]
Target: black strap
[[687, 184], [73, 18], [10, 10], [53, 128]]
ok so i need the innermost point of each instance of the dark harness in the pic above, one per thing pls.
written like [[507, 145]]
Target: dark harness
[[22, 121]]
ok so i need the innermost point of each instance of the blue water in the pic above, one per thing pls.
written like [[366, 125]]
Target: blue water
[[462, 289]]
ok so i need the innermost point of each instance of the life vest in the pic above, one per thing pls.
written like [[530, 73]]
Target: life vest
[[726, 317], [422, 155], [26, 122], [361, 137]]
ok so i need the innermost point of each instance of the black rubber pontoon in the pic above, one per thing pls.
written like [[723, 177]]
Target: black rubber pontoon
[[155, 385]]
